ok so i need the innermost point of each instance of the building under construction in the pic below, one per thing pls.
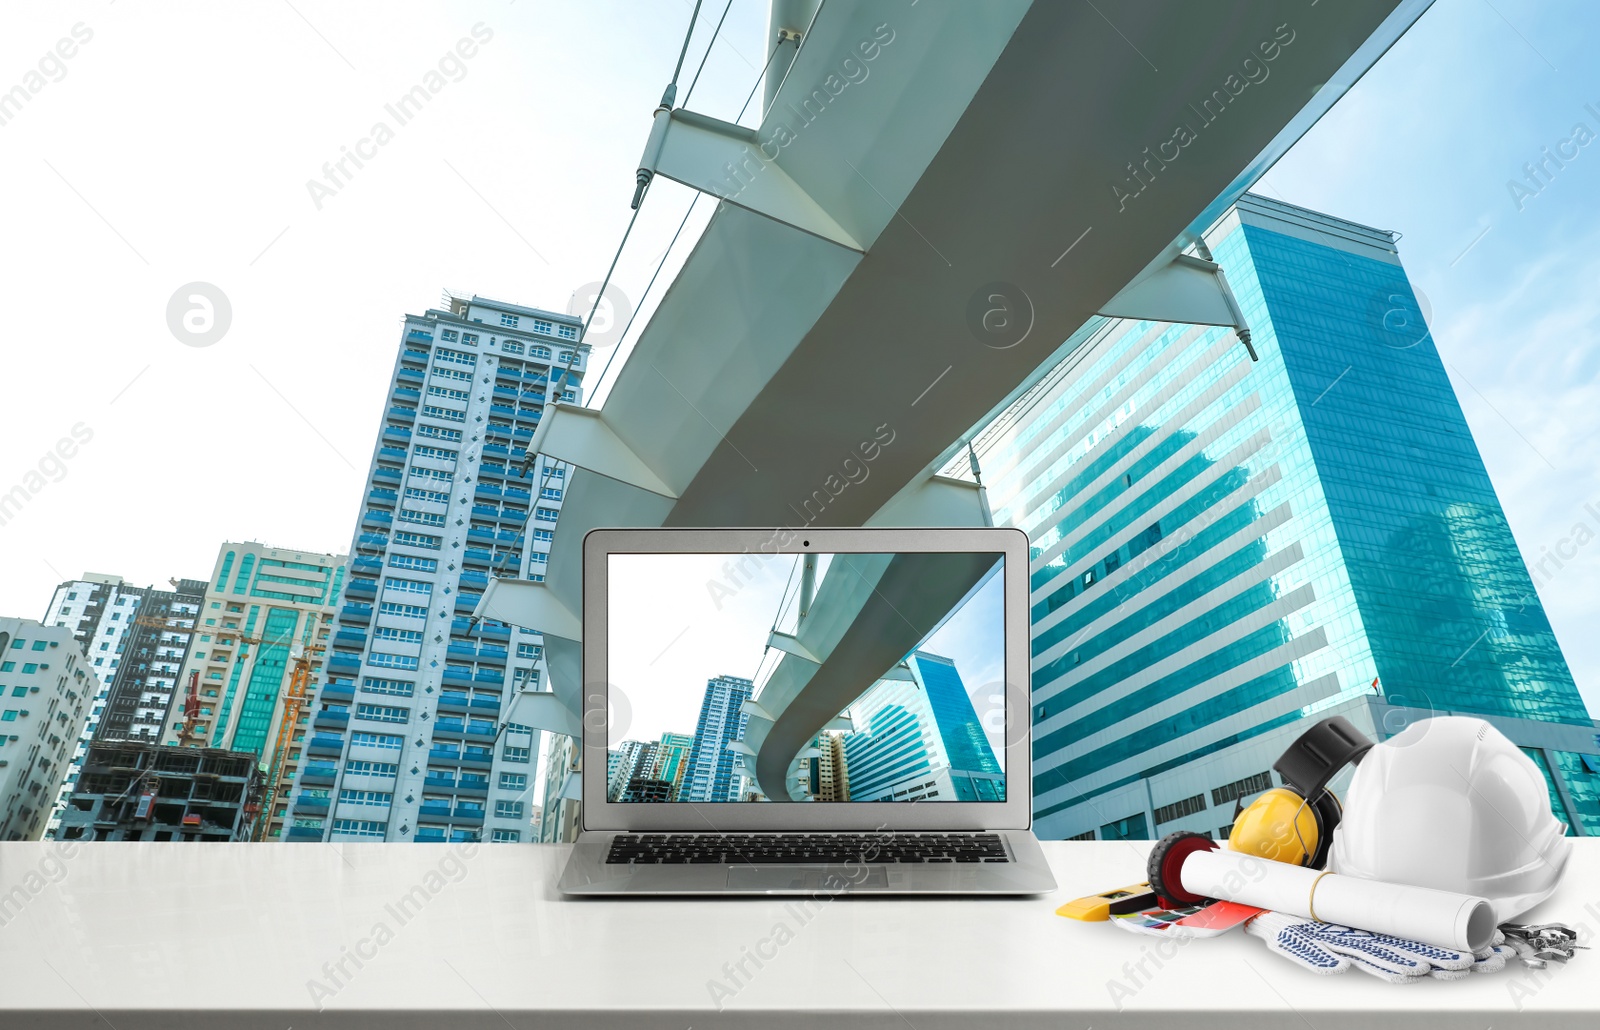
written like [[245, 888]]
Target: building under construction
[[136, 791]]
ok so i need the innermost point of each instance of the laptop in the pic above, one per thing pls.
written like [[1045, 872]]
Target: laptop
[[782, 711]]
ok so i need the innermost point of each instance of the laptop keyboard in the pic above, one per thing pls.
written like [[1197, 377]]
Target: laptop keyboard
[[796, 848]]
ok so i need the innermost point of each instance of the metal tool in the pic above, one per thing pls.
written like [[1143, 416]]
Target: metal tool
[[1537, 945]]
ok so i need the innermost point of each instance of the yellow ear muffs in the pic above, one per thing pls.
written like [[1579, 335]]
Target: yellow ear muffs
[[1279, 825]]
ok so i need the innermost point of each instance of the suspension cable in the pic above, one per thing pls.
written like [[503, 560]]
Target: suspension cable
[[665, 254], [566, 370], [706, 56], [671, 94]]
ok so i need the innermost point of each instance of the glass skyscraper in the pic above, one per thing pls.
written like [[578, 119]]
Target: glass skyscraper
[[919, 738], [1225, 551]]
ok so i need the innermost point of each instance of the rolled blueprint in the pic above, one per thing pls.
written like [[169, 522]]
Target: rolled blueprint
[[1440, 918]]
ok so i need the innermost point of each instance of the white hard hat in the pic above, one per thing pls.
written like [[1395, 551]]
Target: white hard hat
[[1450, 803]]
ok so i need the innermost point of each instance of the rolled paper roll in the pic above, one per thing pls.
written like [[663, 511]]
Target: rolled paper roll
[[1441, 918]]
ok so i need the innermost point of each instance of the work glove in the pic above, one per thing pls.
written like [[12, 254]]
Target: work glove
[[1327, 948]]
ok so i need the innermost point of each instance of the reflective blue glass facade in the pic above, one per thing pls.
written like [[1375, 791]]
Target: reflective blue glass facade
[[923, 726], [966, 746], [1224, 549]]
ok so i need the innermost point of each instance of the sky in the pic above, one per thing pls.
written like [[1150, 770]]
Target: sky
[[175, 146], [677, 620]]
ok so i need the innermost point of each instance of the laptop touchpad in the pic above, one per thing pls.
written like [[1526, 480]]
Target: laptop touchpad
[[800, 878]]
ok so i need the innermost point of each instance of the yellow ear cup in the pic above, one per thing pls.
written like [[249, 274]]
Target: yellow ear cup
[[1279, 825]]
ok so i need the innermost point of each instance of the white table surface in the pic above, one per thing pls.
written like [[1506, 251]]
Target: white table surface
[[136, 936]]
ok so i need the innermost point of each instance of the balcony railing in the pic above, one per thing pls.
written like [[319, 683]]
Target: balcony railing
[[318, 774], [492, 655], [331, 720], [325, 744], [355, 612]]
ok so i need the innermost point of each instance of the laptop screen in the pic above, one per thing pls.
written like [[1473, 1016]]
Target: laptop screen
[[845, 677]]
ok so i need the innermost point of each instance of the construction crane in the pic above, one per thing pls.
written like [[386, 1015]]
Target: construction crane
[[294, 701], [188, 732], [257, 809]]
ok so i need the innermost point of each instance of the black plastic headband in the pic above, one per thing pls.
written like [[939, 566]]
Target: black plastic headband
[[1320, 752]]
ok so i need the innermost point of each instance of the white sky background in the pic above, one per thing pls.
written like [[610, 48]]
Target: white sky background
[[670, 635], [178, 145]]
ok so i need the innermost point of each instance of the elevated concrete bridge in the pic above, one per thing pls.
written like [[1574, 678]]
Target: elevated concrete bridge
[[938, 196]]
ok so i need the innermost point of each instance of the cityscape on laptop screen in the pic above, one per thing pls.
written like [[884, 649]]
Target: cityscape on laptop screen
[[806, 677]]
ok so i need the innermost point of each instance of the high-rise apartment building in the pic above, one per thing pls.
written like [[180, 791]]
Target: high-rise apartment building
[[46, 691], [711, 774], [635, 758], [829, 770], [99, 610], [154, 650], [262, 604], [561, 810], [919, 739], [411, 738], [264, 608], [1225, 551], [671, 759]]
